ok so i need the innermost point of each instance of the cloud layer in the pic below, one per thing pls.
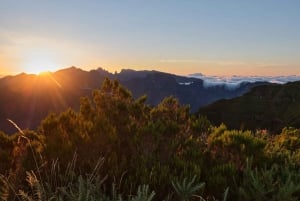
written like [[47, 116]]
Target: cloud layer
[[233, 82]]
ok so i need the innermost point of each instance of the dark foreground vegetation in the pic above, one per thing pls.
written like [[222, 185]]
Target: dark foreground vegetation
[[119, 148], [273, 106]]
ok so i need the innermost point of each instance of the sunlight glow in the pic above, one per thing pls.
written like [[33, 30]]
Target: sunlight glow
[[47, 75], [38, 62]]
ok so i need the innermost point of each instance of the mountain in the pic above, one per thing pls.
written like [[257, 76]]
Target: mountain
[[269, 107], [191, 91], [27, 99]]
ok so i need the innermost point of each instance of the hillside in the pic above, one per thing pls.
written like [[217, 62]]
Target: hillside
[[79, 155], [27, 99], [269, 107]]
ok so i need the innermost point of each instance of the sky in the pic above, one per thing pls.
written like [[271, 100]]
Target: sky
[[212, 37]]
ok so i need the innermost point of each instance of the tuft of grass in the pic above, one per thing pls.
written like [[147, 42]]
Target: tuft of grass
[[143, 194], [187, 188], [4, 188]]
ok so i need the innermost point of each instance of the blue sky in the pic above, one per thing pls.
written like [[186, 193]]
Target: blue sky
[[223, 37]]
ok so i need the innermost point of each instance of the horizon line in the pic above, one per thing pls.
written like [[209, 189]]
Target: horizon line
[[193, 74]]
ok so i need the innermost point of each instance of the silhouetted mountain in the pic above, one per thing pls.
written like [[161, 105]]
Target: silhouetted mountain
[[128, 74], [269, 107], [27, 99], [157, 85]]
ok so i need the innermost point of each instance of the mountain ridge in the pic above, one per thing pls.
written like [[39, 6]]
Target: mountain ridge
[[27, 98]]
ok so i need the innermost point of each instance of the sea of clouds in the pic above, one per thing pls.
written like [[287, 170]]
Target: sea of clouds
[[233, 82]]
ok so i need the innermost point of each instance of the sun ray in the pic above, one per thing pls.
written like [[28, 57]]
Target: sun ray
[[51, 77]]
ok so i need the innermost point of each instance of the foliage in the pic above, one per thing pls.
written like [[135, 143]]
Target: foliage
[[36, 189], [187, 188], [143, 194], [6, 146], [235, 146], [4, 188], [272, 184], [270, 107], [122, 143]]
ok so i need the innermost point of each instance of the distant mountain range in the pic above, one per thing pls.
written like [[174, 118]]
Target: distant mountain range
[[269, 107], [27, 99]]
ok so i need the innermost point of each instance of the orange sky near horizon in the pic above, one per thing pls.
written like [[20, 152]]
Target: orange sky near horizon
[[49, 56], [31, 54], [229, 71], [179, 67]]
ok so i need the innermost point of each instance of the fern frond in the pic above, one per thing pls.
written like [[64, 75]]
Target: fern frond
[[38, 192], [143, 194], [226, 194], [186, 189], [24, 196], [4, 189]]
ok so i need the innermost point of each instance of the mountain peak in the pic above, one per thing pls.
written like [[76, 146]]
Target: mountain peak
[[196, 75], [69, 69]]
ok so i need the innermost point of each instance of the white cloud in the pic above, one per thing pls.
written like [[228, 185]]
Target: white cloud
[[233, 82], [178, 61]]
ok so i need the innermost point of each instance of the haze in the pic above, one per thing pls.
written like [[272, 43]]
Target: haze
[[182, 37]]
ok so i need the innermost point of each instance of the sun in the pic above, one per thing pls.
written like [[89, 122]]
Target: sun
[[38, 71], [39, 67], [38, 62]]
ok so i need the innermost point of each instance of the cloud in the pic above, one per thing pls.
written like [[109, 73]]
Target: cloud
[[224, 63], [233, 82], [178, 61], [200, 61]]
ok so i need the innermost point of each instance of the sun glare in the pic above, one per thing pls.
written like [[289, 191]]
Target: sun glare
[[40, 68], [39, 62]]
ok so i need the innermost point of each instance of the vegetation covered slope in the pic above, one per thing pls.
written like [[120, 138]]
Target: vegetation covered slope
[[117, 148], [269, 107]]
